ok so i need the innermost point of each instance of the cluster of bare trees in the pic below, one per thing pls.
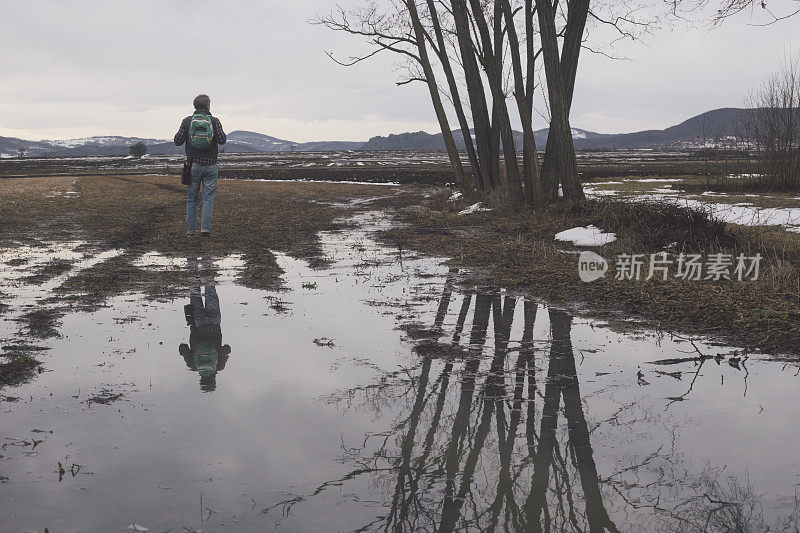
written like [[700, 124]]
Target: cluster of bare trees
[[486, 53], [480, 61], [773, 125]]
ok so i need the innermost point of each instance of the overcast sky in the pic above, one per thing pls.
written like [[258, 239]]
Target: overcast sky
[[81, 68]]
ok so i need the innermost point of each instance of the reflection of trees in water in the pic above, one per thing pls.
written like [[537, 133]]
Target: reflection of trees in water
[[479, 445]]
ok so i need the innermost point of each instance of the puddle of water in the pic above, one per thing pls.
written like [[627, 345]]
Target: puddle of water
[[323, 417], [23, 261]]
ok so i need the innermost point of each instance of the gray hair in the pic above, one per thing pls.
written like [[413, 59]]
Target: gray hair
[[202, 101]]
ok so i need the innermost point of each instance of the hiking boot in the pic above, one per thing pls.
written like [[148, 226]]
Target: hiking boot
[[190, 234], [205, 234]]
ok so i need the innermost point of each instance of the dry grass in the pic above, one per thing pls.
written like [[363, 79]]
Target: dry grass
[[518, 252]]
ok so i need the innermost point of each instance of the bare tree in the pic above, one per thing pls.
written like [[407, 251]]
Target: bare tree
[[773, 124], [729, 8]]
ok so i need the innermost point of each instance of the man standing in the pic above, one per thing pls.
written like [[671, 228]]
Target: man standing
[[202, 133]]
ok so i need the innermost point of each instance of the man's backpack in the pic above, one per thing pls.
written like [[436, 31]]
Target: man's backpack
[[201, 131]]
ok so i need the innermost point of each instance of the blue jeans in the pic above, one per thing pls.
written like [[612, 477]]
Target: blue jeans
[[207, 175], [208, 313]]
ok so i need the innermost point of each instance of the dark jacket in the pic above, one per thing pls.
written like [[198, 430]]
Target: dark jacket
[[209, 155]]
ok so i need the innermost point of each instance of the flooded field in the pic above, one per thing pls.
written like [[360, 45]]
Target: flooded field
[[382, 392]]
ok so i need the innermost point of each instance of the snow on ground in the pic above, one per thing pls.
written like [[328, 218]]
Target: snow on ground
[[455, 196], [656, 180], [588, 236], [743, 213], [473, 209], [377, 183], [750, 215]]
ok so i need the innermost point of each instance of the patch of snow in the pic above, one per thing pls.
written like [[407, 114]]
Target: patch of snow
[[655, 180], [474, 208], [588, 236], [380, 183], [741, 213], [594, 193], [455, 196]]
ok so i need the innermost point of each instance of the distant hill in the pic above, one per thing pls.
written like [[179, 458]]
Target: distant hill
[[87, 146], [260, 142], [264, 143], [421, 140], [716, 123], [238, 142], [709, 125]]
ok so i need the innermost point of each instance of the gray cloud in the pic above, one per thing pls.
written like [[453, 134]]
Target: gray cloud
[[91, 67]]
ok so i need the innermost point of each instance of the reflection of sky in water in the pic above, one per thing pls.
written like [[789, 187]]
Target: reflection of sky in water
[[22, 296], [289, 415]]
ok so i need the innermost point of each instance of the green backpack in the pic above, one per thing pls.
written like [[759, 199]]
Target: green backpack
[[201, 131], [206, 358]]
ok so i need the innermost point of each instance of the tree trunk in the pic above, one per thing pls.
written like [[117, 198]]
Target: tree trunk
[[462, 179], [494, 73], [469, 145], [559, 110], [530, 159], [475, 90], [576, 23]]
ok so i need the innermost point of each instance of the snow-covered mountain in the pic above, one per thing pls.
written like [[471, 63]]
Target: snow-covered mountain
[[265, 143], [99, 145], [261, 142], [114, 145], [109, 140]]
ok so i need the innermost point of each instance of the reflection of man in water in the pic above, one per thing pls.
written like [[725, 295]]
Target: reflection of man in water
[[205, 352]]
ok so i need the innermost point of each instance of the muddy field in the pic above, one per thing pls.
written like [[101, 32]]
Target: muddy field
[[430, 168], [378, 361]]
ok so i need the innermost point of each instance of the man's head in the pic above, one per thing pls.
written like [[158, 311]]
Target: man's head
[[202, 101]]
